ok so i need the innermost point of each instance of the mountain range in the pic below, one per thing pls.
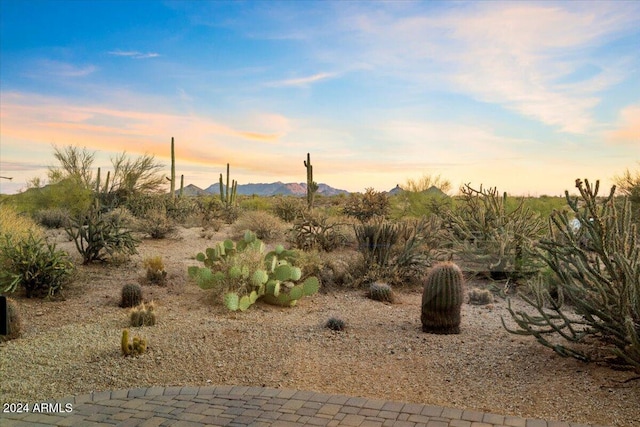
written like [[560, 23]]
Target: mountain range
[[265, 189], [281, 188]]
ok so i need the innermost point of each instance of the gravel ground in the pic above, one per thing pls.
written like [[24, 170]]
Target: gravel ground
[[72, 347]]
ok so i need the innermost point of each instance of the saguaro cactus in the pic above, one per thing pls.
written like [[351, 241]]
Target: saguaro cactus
[[228, 197], [173, 171], [312, 187], [442, 299]]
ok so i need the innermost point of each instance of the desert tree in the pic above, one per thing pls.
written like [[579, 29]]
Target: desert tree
[[425, 182], [74, 163], [136, 176]]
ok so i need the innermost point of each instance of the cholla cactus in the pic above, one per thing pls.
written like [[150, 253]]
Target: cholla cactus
[[600, 279]]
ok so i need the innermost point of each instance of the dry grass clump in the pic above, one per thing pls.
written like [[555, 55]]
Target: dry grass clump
[[17, 225]]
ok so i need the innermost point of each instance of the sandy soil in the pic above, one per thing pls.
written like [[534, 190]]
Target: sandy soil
[[73, 347]]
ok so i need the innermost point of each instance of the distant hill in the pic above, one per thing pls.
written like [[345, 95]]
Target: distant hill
[[431, 191], [277, 188], [192, 190]]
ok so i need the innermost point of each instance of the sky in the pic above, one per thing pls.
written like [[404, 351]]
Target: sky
[[524, 96]]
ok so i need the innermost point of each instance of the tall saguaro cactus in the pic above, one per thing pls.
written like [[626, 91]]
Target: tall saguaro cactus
[[173, 171], [228, 197], [312, 187]]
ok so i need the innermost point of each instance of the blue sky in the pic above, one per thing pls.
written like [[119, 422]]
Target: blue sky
[[525, 96]]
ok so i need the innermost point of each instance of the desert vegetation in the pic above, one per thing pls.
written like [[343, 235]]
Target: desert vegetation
[[572, 263]]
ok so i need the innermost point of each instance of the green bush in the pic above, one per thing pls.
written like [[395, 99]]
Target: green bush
[[157, 225], [317, 231], [492, 238], [366, 206], [288, 208], [98, 239], [34, 265]]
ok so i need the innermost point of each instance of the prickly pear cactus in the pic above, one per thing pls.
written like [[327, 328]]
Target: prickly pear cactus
[[278, 281], [131, 295], [442, 299]]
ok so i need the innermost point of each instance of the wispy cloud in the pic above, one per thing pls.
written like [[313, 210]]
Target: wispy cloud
[[302, 81], [134, 54], [516, 55], [50, 68]]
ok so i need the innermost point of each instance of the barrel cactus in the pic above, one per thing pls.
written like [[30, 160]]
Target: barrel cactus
[[380, 291], [442, 299], [131, 295], [143, 315], [14, 322]]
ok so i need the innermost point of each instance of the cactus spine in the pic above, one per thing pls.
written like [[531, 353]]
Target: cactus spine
[[312, 187], [228, 197], [442, 299]]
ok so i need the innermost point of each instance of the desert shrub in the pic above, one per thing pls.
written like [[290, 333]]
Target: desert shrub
[[398, 252], [418, 204], [367, 206], [52, 218], [255, 203], [33, 264], [121, 217], [492, 238], [180, 209], [265, 225], [288, 208], [317, 231], [14, 321], [334, 269], [140, 204], [157, 225], [156, 273], [143, 315], [131, 295], [602, 281], [98, 239]]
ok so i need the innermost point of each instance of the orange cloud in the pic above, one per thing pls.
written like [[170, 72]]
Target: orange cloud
[[36, 119], [628, 131]]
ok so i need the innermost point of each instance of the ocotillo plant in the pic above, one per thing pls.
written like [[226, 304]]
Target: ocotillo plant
[[227, 197], [312, 186]]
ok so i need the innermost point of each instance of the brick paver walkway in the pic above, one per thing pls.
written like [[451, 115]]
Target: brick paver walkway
[[251, 406]]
